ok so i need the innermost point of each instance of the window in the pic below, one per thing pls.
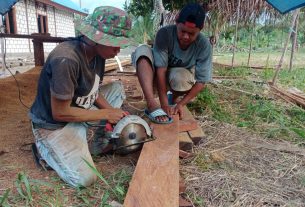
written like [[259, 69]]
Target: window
[[42, 23], [10, 22]]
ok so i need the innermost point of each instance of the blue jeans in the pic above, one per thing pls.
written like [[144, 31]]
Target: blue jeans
[[65, 149]]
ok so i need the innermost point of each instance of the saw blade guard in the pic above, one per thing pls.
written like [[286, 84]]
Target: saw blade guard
[[130, 119]]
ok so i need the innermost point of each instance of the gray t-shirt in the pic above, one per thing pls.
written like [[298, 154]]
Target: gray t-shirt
[[66, 76], [167, 53]]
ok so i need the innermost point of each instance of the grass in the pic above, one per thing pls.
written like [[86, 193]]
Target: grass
[[3, 198], [31, 192], [295, 78], [263, 59], [270, 118]]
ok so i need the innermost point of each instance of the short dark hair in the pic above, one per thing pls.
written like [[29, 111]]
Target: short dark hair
[[193, 14]]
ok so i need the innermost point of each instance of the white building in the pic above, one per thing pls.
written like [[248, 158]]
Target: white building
[[49, 17]]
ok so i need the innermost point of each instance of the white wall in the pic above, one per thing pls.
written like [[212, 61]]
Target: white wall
[[60, 24]]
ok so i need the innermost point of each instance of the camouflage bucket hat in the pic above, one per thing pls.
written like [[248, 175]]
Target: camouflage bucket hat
[[107, 25]]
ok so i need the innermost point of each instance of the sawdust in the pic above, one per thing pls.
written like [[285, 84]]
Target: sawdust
[[16, 134]]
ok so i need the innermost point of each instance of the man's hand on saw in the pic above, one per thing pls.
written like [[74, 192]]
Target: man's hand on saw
[[114, 115]]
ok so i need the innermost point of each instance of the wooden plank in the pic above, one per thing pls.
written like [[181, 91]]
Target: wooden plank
[[182, 187], [38, 53], [187, 125], [197, 134], [185, 143], [293, 98], [113, 66], [155, 181], [36, 37], [183, 154]]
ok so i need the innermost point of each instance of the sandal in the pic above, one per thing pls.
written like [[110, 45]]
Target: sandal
[[156, 113]]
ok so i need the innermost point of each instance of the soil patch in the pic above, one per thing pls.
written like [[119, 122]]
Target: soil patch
[[16, 133]]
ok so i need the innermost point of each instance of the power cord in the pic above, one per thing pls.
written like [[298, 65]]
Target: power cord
[[17, 83]]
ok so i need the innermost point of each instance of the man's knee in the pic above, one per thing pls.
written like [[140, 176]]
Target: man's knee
[[143, 63], [181, 80], [142, 54], [86, 179], [117, 87]]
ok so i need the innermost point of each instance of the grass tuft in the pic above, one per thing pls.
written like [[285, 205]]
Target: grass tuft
[[4, 198]]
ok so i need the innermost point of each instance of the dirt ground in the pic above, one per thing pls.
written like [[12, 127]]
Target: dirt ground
[[232, 167], [15, 129]]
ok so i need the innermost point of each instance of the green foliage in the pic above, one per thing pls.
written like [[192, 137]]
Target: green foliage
[[238, 71], [140, 8], [264, 111], [24, 188], [206, 162], [3, 198], [143, 8], [32, 192], [234, 103], [116, 188], [207, 101], [295, 78], [143, 29]]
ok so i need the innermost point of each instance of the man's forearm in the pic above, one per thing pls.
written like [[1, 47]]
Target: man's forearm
[[102, 103], [192, 93], [63, 111]]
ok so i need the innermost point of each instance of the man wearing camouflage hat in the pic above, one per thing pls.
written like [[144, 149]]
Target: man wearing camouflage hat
[[180, 61], [70, 85]]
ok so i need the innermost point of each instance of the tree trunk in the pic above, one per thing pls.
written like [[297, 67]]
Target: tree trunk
[[295, 14], [294, 41], [236, 29], [251, 41]]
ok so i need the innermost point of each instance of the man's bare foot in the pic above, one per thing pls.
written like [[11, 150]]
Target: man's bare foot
[[152, 106]]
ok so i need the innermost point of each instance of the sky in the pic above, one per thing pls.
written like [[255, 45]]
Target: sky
[[92, 4]]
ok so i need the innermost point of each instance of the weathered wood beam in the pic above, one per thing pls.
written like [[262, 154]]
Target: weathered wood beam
[[155, 181], [197, 134], [113, 66]]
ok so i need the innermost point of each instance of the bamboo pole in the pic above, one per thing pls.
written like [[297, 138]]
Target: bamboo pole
[[236, 29], [279, 66], [294, 41], [251, 41]]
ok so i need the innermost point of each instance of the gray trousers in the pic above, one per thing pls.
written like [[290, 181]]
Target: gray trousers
[[65, 149]]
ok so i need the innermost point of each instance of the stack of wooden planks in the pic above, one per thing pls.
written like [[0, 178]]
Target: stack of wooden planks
[[189, 131], [114, 65], [156, 180], [293, 97]]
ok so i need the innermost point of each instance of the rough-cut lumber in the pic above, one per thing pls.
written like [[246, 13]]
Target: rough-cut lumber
[[155, 181], [197, 134], [185, 143], [297, 100], [298, 95], [113, 66], [182, 186], [187, 125], [183, 154]]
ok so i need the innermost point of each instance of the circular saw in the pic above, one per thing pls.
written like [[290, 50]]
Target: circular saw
[[129, 134]]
